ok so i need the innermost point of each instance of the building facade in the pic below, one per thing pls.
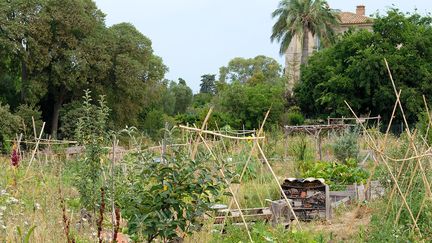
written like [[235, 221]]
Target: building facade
[[293, 54]]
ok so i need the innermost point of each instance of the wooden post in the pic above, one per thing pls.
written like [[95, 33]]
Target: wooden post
[[328, 203], [319, 145], [35, 149]]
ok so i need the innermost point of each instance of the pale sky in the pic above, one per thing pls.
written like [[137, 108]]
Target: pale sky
[[196, 37]]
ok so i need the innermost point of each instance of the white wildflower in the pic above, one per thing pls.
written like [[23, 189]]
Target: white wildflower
[[3, 208], [12, 200], [37, 206]]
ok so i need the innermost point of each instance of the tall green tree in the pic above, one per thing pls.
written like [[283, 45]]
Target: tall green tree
[[50, 40], [299, 18], [183, 96], [250, 70], [353, 70], [16, 45], [208, 84], [134, 79], [246, 104]]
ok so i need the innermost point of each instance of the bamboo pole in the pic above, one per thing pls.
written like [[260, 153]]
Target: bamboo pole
[[229, 187], [373, 145], [247, 163], [422, 170], [280, 187], [195, 148], [35, 149], [219, 134]]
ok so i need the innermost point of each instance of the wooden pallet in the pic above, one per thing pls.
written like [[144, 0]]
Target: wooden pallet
[[249, 214]]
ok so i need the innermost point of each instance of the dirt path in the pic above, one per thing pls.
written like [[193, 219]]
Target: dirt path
[[346, 225]]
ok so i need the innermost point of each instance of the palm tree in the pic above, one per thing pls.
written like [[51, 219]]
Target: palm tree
[[298, 18]]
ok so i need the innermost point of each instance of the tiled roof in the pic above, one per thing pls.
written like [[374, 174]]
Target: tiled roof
[[352, 18]]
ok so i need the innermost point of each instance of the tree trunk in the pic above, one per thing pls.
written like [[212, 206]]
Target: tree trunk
[[58, 101], [287, 62], [305, 46]]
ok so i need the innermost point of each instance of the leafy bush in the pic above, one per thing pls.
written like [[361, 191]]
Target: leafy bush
[[9, 126], [69, 115], [346, 146], [91, 133], [301, 150], [337, 175], [154, 122], [164, 199], [26, 112], [295, 119]]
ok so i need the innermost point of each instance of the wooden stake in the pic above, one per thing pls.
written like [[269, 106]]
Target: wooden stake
[[280, 187], [35, 149], [229, 187]]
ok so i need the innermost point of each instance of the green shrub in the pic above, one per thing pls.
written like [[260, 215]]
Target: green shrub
[[346, 146], [337, 175], [91, 132], [154, 123], [9, 126], [26, 112], [69, 115], [164, 199]]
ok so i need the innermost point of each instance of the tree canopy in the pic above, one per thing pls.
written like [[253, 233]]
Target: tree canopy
[[250, 70], [54, 49], [354, 70], [298, 18]]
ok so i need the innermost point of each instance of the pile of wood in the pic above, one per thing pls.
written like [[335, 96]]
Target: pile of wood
[[310, 197]]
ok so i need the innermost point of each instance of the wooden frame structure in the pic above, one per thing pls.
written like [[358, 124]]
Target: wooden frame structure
[[315, 131], [256, 151]]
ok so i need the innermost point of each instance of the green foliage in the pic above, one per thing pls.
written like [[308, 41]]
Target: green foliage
[[247, 105], [207, 85], [26, 112], [353, 70], [154, 123], [25, 237], [250, 70], [69, 115], [183, 96], [292, 118], [346, 146], [262, 232], [53, 49], [300, 148], [299, 18], [424, 127], [92, 125], [9, 126], [91, 132], [162, 199], [134, 78], [337, 175], [201, 100]]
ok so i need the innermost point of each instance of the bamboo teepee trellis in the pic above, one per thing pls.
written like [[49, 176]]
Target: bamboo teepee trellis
[[415, 153], [256, 151]]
